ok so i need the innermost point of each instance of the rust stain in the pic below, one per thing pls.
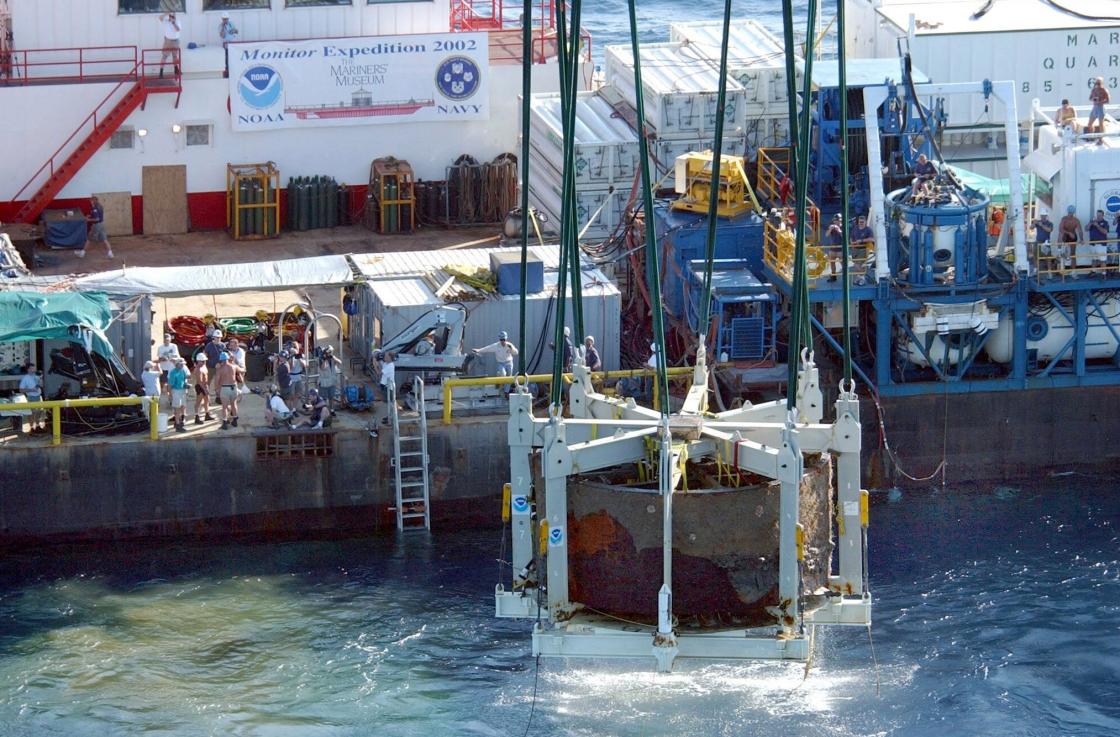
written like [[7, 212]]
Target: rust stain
[[597, 533]]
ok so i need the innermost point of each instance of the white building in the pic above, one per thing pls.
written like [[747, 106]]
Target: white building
[[198, 130]]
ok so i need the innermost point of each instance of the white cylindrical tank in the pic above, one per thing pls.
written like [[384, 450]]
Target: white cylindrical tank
[[1099, 340], [914, 355]]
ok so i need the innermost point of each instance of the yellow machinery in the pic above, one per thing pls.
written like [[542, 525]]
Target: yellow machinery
[[253, 201], [694, 185], [392, 198]]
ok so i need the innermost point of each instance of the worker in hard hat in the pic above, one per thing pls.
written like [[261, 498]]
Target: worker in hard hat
[[504, 352]]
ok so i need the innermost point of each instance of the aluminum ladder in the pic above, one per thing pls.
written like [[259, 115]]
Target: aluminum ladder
[[410, 461]]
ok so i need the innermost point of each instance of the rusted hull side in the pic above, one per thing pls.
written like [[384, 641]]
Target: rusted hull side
[[725, 549]]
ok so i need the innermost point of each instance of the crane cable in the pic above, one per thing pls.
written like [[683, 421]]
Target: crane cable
[[800, 335], [569, 267], [653, 272], [845, 194], [713, 190], [526, 89]]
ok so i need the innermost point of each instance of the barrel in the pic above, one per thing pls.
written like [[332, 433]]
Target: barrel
[[256, 366]]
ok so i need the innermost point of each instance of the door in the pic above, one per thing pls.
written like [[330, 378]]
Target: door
[[165, 199]]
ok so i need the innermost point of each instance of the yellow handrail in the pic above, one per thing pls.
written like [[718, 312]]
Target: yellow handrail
[[449, 384], [56, 406]]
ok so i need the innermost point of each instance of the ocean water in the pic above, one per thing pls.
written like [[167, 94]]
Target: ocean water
[[608, 21], [996, 613]]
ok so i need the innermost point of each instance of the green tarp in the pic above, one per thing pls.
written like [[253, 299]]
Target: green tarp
[[999, 190], [37, 316]]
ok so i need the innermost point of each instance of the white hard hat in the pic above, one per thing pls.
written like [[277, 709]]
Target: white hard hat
[[567, 331], [225, 14]]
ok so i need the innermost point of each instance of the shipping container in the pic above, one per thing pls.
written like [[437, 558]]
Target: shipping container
[[398, 290], [755, 59], [606, 148], [599, 209], [680, 87], [1049, 54]]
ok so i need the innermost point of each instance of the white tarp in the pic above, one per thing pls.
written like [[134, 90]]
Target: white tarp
[[184, 281], [359, 81]]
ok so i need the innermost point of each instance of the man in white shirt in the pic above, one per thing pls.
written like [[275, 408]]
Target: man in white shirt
[[503, 351], [276, 412], [167, 354], [31, 386], [171, 34], [150, 378]]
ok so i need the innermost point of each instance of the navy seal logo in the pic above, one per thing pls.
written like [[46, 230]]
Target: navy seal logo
[[458, 78]]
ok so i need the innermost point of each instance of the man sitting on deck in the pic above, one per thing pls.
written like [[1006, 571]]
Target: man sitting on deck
[[276, 412], [924, 171], [1067, 117]]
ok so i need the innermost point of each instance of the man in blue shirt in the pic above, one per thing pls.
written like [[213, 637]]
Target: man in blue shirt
[[177, 380], [97, 233], [1098, 238], [1043, 228], [862, 235]]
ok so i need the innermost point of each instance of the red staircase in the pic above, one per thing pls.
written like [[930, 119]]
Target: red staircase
[[98, 127]]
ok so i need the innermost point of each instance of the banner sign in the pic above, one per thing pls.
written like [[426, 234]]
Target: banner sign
[[359, 81]]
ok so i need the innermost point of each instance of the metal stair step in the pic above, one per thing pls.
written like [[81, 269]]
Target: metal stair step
[[413, 500], [414, 515], [412, 453], [410, 437], [411, 484]]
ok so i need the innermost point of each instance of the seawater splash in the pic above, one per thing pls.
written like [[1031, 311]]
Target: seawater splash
[[995, 614]]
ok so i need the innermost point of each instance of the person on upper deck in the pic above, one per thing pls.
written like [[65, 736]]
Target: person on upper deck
[[172, 31], [1099, 97], [1067, 116]]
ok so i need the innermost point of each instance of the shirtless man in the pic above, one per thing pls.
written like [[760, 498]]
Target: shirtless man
[[227, 376], [200, 378], [1069, 235]]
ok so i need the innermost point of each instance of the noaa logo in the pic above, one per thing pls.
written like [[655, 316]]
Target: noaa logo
[[556, 536], [1111, 201], [260, 87], [458, 78], [520, 504]]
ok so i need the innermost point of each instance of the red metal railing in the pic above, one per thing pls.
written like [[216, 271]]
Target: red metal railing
[[84, 64], [504, 25], [144, 71]]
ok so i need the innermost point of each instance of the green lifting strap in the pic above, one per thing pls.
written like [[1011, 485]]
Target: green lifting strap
[[845, 194], [800, 335], [526, 90], [653, 272], [713, 195]]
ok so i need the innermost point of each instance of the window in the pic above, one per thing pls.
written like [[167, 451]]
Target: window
[[310, 3], [386, 2], [235, 4], [198, 134], [126, 7], [123, 138]]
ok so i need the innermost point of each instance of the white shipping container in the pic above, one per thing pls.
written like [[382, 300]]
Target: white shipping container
[[398, 290], [606, 205], [1049, 55], [755, 57], [680, 88], [606, 148]]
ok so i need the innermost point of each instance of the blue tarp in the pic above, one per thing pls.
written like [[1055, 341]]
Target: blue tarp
[[78, 316]]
